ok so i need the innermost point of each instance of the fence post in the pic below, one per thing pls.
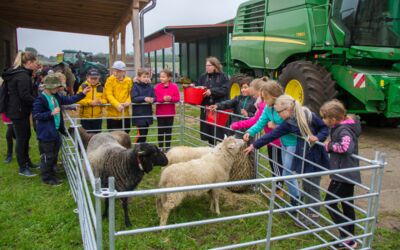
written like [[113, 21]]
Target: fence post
[[270, 215], [381, 160], [123, 119], [99, 228], [111, 212], [182, 121]]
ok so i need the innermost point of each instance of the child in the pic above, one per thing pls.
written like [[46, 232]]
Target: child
[[344, 135], [142, 92], [118, 87], [49, 123], [10, 136], [242, 105], [89, 105], [165, 91]]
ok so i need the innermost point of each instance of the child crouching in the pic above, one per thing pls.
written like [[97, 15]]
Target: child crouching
[[49, 123]]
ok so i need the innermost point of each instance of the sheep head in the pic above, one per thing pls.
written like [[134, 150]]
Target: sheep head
[[150, 155], [232, 145]]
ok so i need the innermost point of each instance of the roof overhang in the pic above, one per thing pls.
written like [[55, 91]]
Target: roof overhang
[[94, 17]]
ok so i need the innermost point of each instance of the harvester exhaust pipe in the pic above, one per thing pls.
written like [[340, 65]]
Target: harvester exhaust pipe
[[141, 17]]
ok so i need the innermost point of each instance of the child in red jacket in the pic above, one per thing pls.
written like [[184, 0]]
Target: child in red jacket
[[167, 94]]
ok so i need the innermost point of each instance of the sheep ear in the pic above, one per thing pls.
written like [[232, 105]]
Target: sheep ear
[[231, 145]]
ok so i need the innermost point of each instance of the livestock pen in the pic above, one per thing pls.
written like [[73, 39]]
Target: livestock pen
[[267, 223]]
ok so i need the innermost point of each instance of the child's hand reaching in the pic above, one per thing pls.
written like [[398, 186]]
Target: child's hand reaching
[[86, 90], [271, 125], [244, 113], [212, 107], [126, 104], [120, 107], [246, 137], [149, 99], [312, 139], [96, 102], [56, 111], [249, 149]]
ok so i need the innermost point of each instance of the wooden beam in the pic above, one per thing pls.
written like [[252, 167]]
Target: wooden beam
[[123, 49], [115, 49], [110, 52], [136, 37]]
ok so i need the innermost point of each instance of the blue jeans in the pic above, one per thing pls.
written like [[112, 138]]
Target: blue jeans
[[287, 160]]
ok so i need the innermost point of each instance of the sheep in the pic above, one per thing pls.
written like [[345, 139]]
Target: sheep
[[122, 137], [211, 168], [184, 153], [128, 166]]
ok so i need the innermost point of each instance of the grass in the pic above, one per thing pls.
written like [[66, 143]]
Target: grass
[[37, 216]]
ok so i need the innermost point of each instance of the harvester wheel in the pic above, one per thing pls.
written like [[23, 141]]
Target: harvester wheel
[[234, 89], [304, 81]]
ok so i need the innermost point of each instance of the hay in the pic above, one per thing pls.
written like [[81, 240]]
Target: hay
[[240, 201], [242, 169]]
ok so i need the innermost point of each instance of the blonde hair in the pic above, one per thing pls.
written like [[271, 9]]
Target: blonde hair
[[216, 63], [22, 58], [61, 76], [302, 114], [272, 88], [258, 83], [333, 109], [143, 71]]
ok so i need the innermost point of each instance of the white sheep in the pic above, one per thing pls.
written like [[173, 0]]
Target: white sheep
[[211, 168], [185, 153]]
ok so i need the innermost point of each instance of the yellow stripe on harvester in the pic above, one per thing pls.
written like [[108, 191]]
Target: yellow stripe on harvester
[[268, 39]]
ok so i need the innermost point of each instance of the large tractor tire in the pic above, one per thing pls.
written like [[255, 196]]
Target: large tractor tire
[[308, 83], [234, 88]]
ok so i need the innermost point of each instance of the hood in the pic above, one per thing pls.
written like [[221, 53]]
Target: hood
[[353, 124], [10, 72]]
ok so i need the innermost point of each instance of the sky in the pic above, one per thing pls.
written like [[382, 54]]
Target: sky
[[186, 12]]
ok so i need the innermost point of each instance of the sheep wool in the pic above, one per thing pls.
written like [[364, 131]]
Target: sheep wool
[[213, 167], [185, 153]]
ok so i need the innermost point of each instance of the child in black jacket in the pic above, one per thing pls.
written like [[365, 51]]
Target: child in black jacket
[[142, 92], [344, 135]]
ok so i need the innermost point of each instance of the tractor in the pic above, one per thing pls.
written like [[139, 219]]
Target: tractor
[[324, 49]]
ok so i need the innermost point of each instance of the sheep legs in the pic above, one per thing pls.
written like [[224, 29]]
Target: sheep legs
[[214, 201], [124, 206]]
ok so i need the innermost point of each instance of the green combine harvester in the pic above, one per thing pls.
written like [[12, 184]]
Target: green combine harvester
[[324, 49]]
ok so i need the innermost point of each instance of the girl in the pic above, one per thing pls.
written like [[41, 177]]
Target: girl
[[242, 105], [216, 84], [344, 142], [142, 92], [273, 151], [117, 88], [301, 121], [165, 91]]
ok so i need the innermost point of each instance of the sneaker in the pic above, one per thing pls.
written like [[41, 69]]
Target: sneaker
[[32, 166], [350, 243], [8, 159], [53, 182], [27, 173]]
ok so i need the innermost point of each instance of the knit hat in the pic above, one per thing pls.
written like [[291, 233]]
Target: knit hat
[[119, 65], [52, 81], [93, 72]]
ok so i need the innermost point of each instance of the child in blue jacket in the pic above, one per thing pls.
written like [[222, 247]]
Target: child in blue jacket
[[142, 92], [302, 122], [49, 123]]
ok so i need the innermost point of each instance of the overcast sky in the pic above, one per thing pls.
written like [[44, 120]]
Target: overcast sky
[[167, 12]]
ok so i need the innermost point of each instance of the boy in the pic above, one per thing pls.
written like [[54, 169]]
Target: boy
[[118, 87], [90, 104], [142, 92], [49, 123]]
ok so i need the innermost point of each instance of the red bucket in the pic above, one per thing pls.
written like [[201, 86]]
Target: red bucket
[[193, 95], [222, 118]]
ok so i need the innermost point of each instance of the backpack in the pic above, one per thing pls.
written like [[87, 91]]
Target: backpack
[[3, 95]]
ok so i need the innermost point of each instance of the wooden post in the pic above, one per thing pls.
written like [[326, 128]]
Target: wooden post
[[115, 46], [123, 50], [110, 52], [136, 35]]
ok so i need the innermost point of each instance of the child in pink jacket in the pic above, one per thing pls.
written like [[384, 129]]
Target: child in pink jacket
[[273, 152], [166, 92]]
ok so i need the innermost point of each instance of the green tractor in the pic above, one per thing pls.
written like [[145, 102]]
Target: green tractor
[[324, 49]]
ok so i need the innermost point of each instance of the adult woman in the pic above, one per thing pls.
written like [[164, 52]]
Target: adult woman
[[216, 84], [19, 106]]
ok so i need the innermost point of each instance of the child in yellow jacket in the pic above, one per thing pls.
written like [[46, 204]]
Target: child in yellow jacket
[[90, 111], [118, 89]]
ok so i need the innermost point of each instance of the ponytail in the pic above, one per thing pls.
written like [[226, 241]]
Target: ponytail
[[22, 58], [302, 115]]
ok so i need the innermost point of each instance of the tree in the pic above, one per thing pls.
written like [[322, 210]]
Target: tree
[[33, 50]]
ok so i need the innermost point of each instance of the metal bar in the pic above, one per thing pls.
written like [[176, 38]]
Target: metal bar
[[99, 228], [270, 215], [111, 213]]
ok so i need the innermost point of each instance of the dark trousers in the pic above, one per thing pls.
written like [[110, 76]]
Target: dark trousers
[[10, 136], [22, 131], [312, 191], [164, 131], [117, 124], [276, 162], [141, 133], [92, 124], [48, 156], [209, 132], [343, 190]]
